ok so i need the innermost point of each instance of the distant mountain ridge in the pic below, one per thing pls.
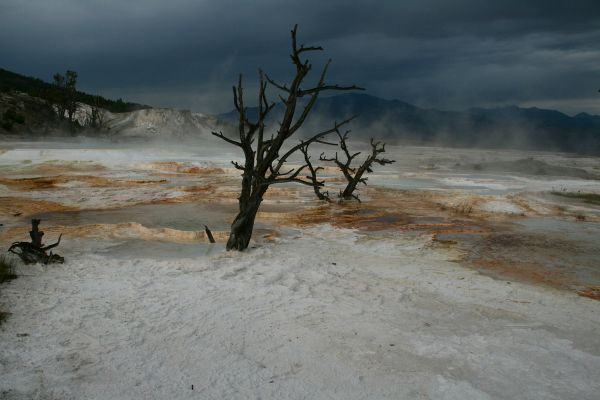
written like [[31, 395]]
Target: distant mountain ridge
[[25, 111], [503, 127]]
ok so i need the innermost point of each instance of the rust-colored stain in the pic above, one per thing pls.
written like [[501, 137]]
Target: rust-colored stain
[[592, 292], [22, 207], [531, 272], [58, 168], [53, 182], [269, 235], [205, 189], [387, 209], [184, 168], [128, 230], [452, 220], [536, 259]]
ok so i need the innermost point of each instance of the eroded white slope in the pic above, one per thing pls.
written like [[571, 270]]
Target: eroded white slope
[[161, 123]]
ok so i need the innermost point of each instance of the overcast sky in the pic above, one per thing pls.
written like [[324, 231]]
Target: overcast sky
[[447, 54]]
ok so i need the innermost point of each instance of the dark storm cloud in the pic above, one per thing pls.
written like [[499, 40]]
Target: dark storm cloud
[[184, 53]]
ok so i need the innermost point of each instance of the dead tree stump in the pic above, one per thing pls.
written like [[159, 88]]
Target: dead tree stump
[[209, 234], [36, 252], [35, 234]]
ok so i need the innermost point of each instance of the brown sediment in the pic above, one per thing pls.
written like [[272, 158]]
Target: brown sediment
[[46, 168], [532, 272], [52, 182], [21, 207], [269, 235], [273, 216], [436, 202], [535, 273], [204, 189], [382, 209], [349, 217], [50, 167], [201, 193], [280, 192], [536, 259], [488, 244], [129, 230], [592, 292], [524, 204], [184, 168]]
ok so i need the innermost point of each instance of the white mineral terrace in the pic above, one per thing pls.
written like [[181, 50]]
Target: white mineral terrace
[[461, 275]]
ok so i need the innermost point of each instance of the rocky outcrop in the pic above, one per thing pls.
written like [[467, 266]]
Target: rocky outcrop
[[21, 114], [161, 123], [31, 116]]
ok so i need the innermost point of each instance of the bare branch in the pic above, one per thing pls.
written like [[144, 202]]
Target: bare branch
[[316, 183], [311, 140], [292, 178], [238, 166], [51, 246], [325, 142], [311, 102], [277, 85], [318, 89], [303, 48], [323, 158], [354, 176], [225, 138]]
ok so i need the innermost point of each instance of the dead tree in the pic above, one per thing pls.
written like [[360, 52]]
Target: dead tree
[[316, 183], [264, 160], [354, 176], [34, 251], [64, 93], [95, 117]]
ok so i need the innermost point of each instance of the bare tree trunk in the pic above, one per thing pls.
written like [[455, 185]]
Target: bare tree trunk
[[348, 192], [35, 233], [243, 225]]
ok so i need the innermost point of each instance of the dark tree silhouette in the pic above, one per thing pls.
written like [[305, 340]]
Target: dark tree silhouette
[[316, 183], [95, 118], [264, 160], [354, 176], [64, 94], [35, 251]]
